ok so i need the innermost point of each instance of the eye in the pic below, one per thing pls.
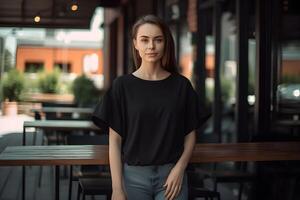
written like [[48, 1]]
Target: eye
[[144, 40], [159, 40]]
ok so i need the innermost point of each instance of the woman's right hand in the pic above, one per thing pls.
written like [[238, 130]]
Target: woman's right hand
[[118, 195]]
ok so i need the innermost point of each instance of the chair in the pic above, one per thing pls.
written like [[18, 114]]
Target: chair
[[238, 174], [195, 192], [87, 171], [56, 137], [94, 186], [228, 176], [197, 189]]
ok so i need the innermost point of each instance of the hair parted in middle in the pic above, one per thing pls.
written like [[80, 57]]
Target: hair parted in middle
[[168, 59]]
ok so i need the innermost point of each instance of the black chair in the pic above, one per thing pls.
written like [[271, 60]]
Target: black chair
[[236, 173], [55, 137], [197, 189], [228, 176], [94, 186], [195, 192], [91, 171]]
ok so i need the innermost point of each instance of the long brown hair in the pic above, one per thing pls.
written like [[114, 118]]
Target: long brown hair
[[168, 59]]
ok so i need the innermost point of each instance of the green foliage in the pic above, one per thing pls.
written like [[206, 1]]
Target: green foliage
[[290, 79], [12, 85], [34, 68], [209, 93], [66, 87], [227, 89], [85, 92], [49, 82], [31, 84], [7, 60]]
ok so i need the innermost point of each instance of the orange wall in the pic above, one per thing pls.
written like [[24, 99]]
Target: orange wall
[[291, 67], [49, 56], [186, 62]]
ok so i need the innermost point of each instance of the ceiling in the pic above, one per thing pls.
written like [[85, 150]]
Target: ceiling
[[53, 13]]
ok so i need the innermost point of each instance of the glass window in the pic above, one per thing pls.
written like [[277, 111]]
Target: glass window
[[63, 67], [33, 67]]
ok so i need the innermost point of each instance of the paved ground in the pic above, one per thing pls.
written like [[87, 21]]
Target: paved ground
[[12, 124]]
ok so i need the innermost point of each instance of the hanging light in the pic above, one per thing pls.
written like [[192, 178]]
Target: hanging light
[[74, 6], [37, 18]]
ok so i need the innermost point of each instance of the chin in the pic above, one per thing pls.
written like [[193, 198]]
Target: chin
[[152, 60]]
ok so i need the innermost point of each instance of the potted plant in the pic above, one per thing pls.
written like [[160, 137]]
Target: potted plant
[[85, 92], [49, 82], [12, 87]]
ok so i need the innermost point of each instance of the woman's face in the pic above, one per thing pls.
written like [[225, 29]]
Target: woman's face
[[150, 43]]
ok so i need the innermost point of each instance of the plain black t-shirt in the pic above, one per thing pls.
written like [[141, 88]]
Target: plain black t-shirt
[[151, 116]]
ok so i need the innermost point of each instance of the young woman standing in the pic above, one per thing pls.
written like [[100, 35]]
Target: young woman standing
[[152, 115]]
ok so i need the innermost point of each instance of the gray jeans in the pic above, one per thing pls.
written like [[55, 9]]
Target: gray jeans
[[146, 182]]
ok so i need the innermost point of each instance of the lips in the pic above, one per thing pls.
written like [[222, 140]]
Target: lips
[[151, 54]]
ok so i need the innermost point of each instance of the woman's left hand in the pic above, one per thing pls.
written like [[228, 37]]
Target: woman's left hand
[[174, 182]]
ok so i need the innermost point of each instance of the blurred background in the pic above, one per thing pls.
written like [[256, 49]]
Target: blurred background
[[242, 57]]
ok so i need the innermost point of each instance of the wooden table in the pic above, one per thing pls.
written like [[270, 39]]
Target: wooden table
[[59, 125], [54, 125], [98, 154], [262, 151], [53, 155], [63, 110]]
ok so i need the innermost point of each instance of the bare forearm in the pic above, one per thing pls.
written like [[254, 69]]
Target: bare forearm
[[189, 144], [115, 160]]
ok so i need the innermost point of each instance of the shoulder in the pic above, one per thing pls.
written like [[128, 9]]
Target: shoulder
[[182, 79], [121, 82], [118, 81]]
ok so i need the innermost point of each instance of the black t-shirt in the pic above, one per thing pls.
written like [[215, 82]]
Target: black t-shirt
[[151, 116]]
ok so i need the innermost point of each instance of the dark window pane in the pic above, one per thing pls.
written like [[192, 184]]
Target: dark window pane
[[33, 67], [64, 67]]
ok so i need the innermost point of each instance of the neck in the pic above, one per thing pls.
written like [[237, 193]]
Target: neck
[[151, 71]]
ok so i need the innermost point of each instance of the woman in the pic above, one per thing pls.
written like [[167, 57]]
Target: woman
[[152, 115]]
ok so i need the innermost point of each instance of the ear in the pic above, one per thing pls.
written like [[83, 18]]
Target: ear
[[135, 44]]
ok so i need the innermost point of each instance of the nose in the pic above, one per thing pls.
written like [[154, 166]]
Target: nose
[[151, 44]]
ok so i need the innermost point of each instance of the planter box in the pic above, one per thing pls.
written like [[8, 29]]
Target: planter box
[[49, 98], [9, 108]]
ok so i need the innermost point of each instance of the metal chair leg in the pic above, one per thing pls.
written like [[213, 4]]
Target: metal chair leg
[[40, 176], [219, 197], [79, 190], [215, 185], [70, 182], [241, 190]]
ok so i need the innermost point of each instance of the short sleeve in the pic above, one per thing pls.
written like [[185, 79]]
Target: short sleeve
[[193, 114], [107, 112]]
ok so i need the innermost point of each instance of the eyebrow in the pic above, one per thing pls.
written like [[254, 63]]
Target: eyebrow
[[159, 36]]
